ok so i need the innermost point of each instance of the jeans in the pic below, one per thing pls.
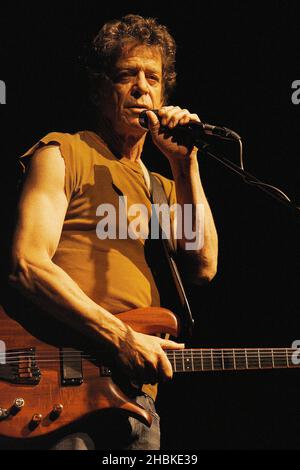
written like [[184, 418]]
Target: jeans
[[113, 430]]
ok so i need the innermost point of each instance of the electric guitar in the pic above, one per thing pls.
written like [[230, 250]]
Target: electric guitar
[[50, 381]]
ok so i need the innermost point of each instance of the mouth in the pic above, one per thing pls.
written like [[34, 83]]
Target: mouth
[[138, 108]]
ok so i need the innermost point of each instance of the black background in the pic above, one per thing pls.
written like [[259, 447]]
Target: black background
[[236, 63]]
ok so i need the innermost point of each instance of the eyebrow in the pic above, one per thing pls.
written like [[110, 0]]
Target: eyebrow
[[136, 69]]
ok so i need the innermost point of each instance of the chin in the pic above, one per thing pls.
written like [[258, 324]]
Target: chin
[[132, 125]]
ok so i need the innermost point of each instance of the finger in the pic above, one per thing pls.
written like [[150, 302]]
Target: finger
[[188, 117], [195, 117], [184, 120], [168, 115], [168, 344], [164, 110], [176, 118], [164, 367], [153, 123]]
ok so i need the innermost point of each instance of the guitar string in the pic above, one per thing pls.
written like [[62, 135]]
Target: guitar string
[[179, 353], [171, 355], [197, 367], [234, 351], [277, 361], [201, 358], [93, 359]]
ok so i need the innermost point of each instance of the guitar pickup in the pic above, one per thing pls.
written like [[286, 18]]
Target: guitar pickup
[[71, 367]]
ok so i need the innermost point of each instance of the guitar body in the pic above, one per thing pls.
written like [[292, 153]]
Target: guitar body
[[51, 377], [36, 363]]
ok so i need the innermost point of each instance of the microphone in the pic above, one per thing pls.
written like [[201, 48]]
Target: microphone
[[192, 130]]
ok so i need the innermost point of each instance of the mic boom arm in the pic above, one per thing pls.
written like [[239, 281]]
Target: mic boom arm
[[198, 129]]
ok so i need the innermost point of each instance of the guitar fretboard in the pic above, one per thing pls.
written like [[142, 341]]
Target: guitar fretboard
[[193, 360]]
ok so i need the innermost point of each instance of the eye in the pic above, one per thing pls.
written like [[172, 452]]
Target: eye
[[153, 78], [123, 76]]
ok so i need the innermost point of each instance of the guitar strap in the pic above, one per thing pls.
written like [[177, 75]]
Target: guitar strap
[[166, 247]]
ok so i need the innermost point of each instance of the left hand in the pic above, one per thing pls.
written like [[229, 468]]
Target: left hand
[[170, 146]]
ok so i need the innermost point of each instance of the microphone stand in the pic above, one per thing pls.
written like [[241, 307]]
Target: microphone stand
[[247, 177]]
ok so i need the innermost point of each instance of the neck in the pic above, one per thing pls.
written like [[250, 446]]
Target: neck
[[193, 360], [121, 145]]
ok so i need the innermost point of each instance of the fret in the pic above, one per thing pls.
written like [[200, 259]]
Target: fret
[[259, 361], [217, 359], [192, 357], [212, 359], [234, 361], [178, 362], [197, 359], [228, 359], [287, 357], [174, 361], [280, 358], [246, 357], [207, 360], [187, 362], [266, 358], [223, 366], [253, 361], [202, 366], [273, 365], [240, 359]]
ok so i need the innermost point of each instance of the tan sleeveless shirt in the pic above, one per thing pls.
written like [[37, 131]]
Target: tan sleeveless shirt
[[112, 272]]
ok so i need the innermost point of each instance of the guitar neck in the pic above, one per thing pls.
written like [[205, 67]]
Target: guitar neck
[[201, 360]]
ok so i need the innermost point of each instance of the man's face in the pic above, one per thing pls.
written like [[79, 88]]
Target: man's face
[[136, 85]]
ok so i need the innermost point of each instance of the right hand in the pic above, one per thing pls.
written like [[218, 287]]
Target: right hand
[[143, 360]]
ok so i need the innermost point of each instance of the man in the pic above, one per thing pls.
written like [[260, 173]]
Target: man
[[59, 259]]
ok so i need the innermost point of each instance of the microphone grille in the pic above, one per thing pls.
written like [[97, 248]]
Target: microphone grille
[[143, 118]]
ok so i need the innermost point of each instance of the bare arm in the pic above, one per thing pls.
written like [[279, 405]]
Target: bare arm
[[200, 264], [189, 190], [42, 210]]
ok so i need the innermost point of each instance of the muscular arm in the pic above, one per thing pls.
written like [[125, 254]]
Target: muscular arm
[[199, 264], [42, 210], [189, 190]]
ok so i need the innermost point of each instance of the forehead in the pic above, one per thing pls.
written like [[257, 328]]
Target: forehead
[[140, 56]]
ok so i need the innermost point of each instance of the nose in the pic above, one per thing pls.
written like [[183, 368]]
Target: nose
[[140, 86]]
